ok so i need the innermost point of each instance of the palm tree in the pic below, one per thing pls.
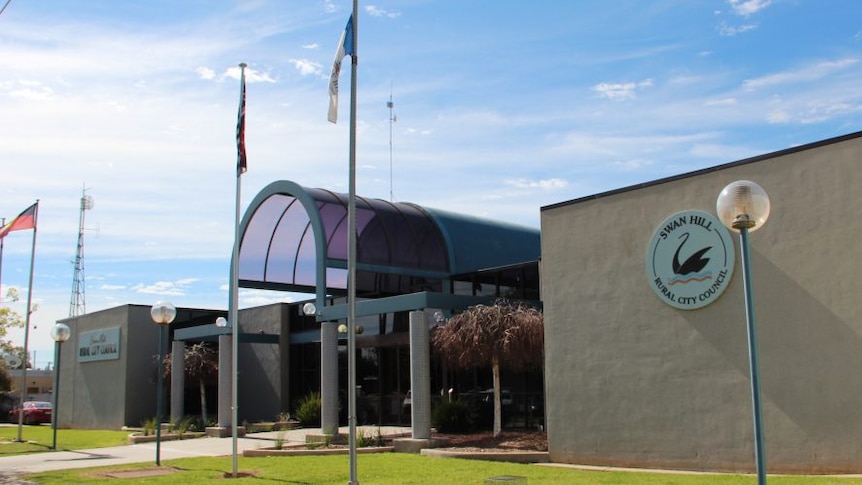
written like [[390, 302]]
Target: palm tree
[[505, 333]]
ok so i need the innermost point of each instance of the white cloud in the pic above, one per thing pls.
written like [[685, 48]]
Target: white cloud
[[805, 74], [313, 46], [778, 116], [546, 184], [249, 297], [621, 90], [374, 11], [306, 67], [748, 7], [112, 287], [39, 94], [165, 288], [205, 73], [726, 30], [721, 102], [632, 164], [251, 75], [417, 131], [825, 111]]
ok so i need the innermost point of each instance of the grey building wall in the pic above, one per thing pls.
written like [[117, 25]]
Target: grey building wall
[[110, 394], [142, 344], [93, 394], [633, 381], [260, 364]]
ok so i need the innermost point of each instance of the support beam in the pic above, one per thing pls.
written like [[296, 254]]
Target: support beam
[[178, 380], [420, 376], [329, 378], [224, 380]]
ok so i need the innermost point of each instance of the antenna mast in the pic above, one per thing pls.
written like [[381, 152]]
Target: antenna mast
[[392, 119], [78, 304]]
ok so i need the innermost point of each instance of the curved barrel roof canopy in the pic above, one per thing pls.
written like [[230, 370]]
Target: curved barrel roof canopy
[[294, 238]]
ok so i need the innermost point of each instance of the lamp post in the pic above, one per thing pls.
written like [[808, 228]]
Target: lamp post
[[60, 333], [163, 313], [743, 207]]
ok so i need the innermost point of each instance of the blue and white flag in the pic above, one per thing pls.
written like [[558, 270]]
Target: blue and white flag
[[345, 48]]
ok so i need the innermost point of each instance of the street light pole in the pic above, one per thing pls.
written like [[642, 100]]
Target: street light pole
[[60, 333], [759, 450], [743, 207], [163, 313]]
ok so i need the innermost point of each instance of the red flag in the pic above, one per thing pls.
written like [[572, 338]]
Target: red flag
[[25, 220], [241, 166]]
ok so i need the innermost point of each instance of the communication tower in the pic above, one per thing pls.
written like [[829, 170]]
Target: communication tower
[[78, 304]]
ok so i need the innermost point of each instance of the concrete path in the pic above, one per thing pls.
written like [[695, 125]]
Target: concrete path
[[142, 453]]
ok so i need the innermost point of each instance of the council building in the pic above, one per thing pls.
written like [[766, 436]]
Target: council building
[[647, 363]]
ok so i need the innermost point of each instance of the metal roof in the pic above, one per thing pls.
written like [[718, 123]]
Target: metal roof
[[294, 238]]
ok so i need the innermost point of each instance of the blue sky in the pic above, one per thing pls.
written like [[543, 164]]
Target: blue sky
[[502, 108]]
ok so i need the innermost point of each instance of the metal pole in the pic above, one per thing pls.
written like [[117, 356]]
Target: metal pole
[[159, 394], [759, 449], [351, 258], [23, 386], [2, 242], [233, 304], [56, 393]]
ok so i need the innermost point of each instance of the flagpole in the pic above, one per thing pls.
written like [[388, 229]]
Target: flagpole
[[2, 243], [351, 256], [233, 311], [22, 390]]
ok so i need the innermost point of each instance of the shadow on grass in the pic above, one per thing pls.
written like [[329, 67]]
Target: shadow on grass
[[253, 474], [23, 448]]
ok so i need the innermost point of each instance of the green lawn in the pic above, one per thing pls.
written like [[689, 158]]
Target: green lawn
[[39, 438], [388, 468], [394, 468]]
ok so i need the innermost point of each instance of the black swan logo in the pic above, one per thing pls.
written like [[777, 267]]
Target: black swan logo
[[695, 263]]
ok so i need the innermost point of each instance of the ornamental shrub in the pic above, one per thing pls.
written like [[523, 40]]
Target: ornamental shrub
[[308, 410], [456, 416]]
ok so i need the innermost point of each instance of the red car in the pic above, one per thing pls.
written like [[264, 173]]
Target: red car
[[35, 412]]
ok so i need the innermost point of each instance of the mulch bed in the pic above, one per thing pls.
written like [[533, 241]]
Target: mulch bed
[[505, 441]]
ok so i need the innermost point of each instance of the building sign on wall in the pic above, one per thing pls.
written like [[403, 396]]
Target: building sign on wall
[[99, 345], [690, 259]]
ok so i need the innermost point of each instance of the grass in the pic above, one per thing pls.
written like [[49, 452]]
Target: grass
[[387, 468], [394, 468], [38, 439]]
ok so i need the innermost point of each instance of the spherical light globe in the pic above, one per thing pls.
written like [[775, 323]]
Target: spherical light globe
[[221, 322], [163, 312], [742, 204], [60, 332], [309, 309]]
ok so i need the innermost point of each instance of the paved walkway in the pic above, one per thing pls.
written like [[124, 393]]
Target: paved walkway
[[145, 452]]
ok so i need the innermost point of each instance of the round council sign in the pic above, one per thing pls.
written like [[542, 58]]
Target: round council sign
[[690, 259]]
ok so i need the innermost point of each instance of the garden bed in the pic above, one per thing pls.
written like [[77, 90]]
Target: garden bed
[[136, 438], [305, 450]]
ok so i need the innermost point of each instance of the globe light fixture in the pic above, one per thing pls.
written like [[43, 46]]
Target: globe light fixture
[[309, 309], [743, 207], [221, 322], [743, 204], [60, 333], [163, 314]]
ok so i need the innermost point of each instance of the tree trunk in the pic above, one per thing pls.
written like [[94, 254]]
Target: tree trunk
[[203, 401], [498, 408]]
